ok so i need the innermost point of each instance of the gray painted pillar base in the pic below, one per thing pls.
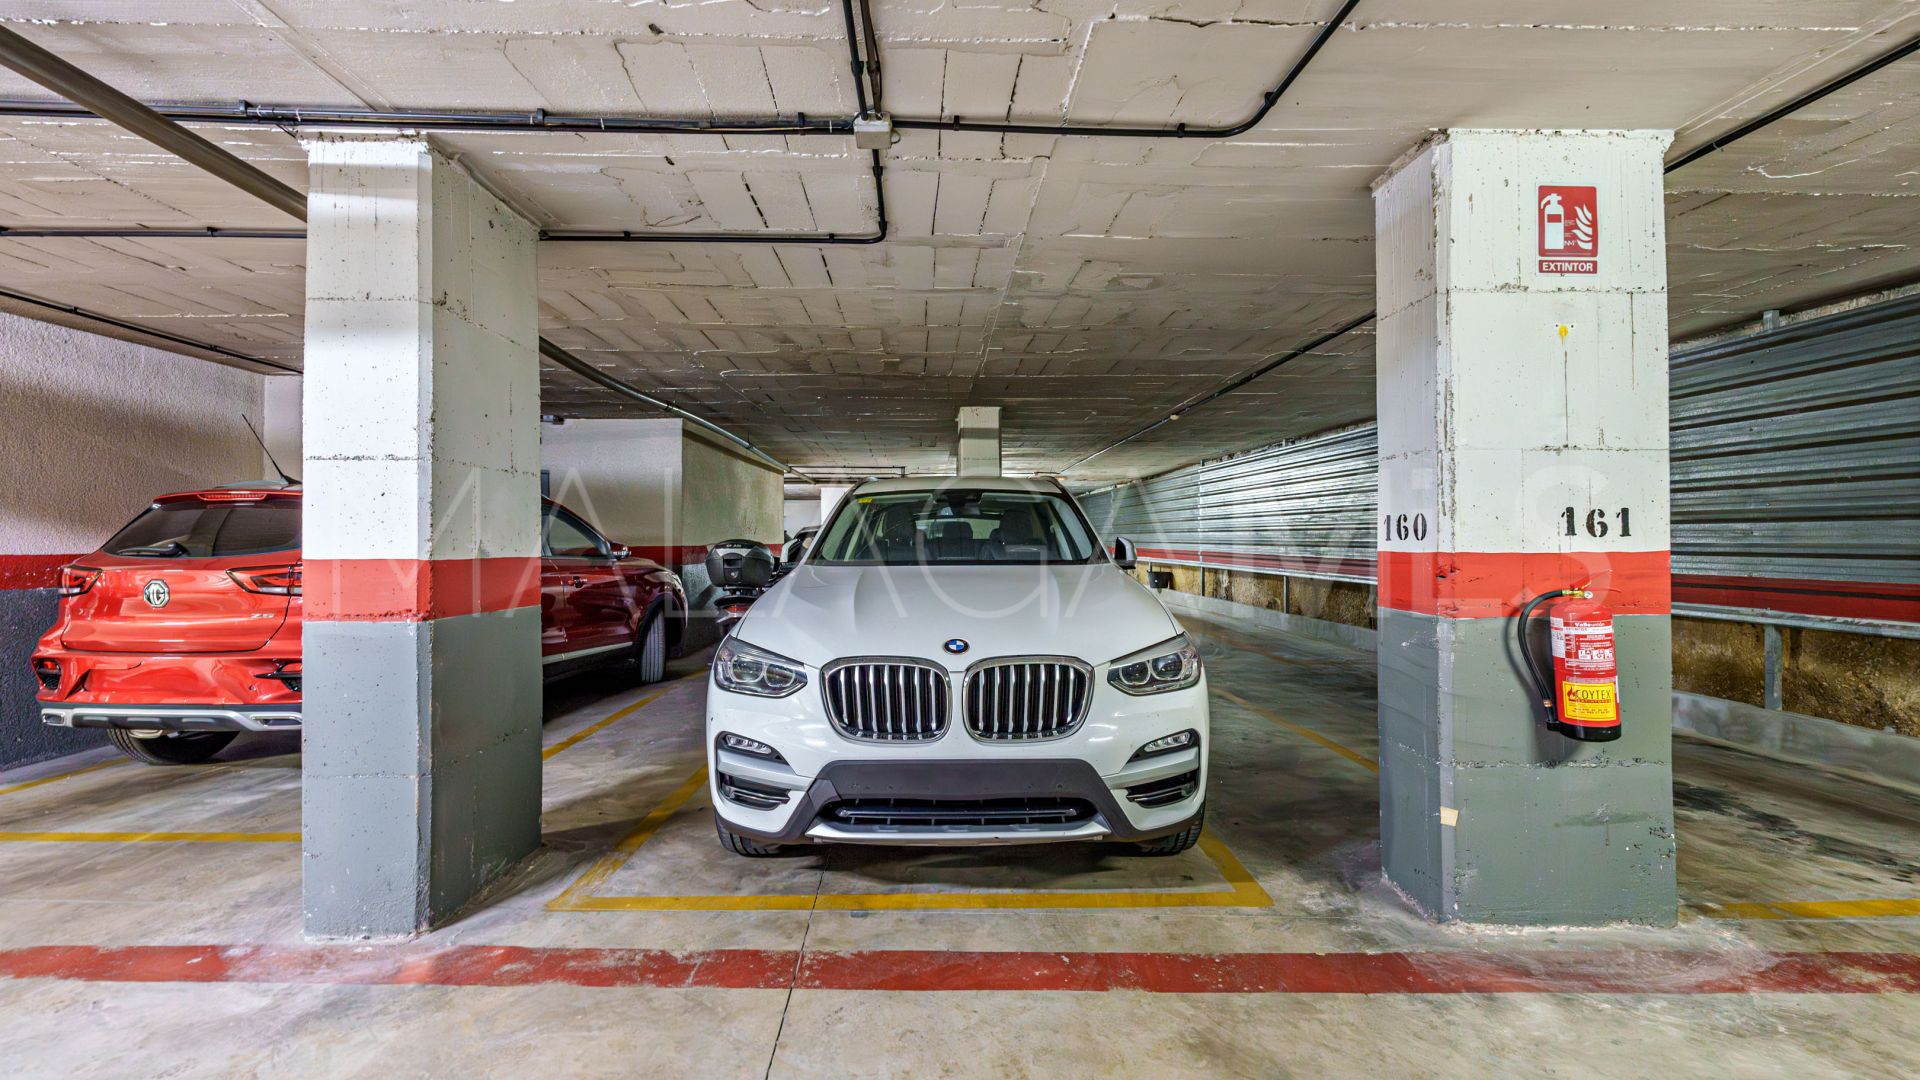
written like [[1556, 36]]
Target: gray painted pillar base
[[1489, 817], [416, 776]]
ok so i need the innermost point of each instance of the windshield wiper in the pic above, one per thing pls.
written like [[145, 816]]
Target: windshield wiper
[[172, 549]]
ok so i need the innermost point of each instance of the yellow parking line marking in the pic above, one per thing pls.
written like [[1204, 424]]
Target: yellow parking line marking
[[1349, 753], [1812, 909], [575, 738], [149, 837], [602, 869], [1242, 891], [95, 767]]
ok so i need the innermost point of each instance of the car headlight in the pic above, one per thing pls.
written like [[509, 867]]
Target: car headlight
[[1173, 664], [743, 669]]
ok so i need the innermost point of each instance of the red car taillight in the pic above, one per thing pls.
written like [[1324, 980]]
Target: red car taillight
[[76, 579], [279, 580]]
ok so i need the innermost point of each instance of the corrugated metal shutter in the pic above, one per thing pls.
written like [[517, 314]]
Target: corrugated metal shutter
[[1796, 481], [1796, 452], [1303, 507]]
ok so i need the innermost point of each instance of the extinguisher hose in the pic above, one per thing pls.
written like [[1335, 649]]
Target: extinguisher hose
[[1539, 681]]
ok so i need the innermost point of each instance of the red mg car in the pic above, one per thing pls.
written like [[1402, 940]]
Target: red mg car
[[184, 629]]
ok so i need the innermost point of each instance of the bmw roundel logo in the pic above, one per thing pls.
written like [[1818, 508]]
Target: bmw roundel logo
[[956, 646], [156, 593]]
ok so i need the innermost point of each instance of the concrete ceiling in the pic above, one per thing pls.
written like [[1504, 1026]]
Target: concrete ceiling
[[1087, 285]]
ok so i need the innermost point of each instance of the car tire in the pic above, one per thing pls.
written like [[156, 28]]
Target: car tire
[[652, 652], [172, 749], [742, 845], [1177, 842]]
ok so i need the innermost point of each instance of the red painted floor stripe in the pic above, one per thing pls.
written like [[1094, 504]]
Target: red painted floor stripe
[[913, 971], [463, 965]]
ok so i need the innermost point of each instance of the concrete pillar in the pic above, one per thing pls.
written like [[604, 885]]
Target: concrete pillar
[[1523, 447], [422, 636], [979, 441], [830, 496]]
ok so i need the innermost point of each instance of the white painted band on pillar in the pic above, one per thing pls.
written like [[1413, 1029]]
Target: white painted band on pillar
[[979, 453]]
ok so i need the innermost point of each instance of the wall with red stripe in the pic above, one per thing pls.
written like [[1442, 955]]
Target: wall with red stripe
[[91, 429], [667, 490]]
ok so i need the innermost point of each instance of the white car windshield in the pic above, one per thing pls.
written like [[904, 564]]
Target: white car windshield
[[944, 526]]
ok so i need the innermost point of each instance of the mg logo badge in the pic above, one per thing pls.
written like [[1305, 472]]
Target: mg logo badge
[[956, 646], [156, 593]]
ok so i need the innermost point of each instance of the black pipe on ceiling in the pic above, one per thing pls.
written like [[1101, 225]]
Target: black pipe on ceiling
[[104, 101], [1178, 131], [63, 78], [122, 232], [558, 236], [594, 375], [90, 97], [859, 68], [1229, 386], [1689, 158], [147, 331], [248, 114], [1791, 107]]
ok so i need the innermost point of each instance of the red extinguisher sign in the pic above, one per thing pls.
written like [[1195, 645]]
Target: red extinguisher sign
[[1569, 221]]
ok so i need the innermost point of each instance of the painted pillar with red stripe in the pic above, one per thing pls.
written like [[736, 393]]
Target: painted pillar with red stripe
[[1522, 384], [422, 636]]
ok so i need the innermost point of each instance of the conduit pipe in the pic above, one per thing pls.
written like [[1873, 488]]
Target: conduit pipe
[[148, 331], [1689, 158], [1178, 131], [63, 78]]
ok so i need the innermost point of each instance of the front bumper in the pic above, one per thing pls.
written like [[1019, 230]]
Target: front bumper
[[803, 799], [173, 717], [983, 781]]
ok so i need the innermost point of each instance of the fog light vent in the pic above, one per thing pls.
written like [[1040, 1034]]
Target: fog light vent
[[48, 672], [1166, 792], [749, 794]]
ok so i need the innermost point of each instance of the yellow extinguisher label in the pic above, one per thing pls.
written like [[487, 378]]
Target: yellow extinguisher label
[[1590, 702]]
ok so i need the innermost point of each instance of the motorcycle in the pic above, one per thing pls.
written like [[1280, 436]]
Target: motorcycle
[[740, 571]]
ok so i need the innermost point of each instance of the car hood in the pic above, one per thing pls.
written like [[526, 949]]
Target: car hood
[[1094, 612]]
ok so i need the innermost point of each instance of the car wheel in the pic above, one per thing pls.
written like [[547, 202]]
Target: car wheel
[[653, 649], [742, 845], [1178, 842], [171, 748]]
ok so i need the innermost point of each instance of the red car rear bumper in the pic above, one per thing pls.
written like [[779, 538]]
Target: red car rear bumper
[[253, 691]]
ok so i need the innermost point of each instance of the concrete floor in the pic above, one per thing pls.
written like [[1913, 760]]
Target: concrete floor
[[149, 925]]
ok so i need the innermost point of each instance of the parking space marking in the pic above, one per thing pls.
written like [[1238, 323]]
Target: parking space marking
[[1446, 971], [600, 725], [1349, 753], [1242, 890], [234, 837], [95, 767], [1882, 908], [1811, 909], [149, 837]]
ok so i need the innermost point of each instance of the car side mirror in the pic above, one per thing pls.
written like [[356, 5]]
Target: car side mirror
[[793, 551], [617, 552], [1124, 555]]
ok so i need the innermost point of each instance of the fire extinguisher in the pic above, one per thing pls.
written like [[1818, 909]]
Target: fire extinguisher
[[1553, 224], [1584, 701]]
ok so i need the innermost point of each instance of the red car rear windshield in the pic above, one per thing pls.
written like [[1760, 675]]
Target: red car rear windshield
[[198, 530]]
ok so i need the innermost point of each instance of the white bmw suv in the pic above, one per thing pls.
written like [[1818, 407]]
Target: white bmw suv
[[958, 661]]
